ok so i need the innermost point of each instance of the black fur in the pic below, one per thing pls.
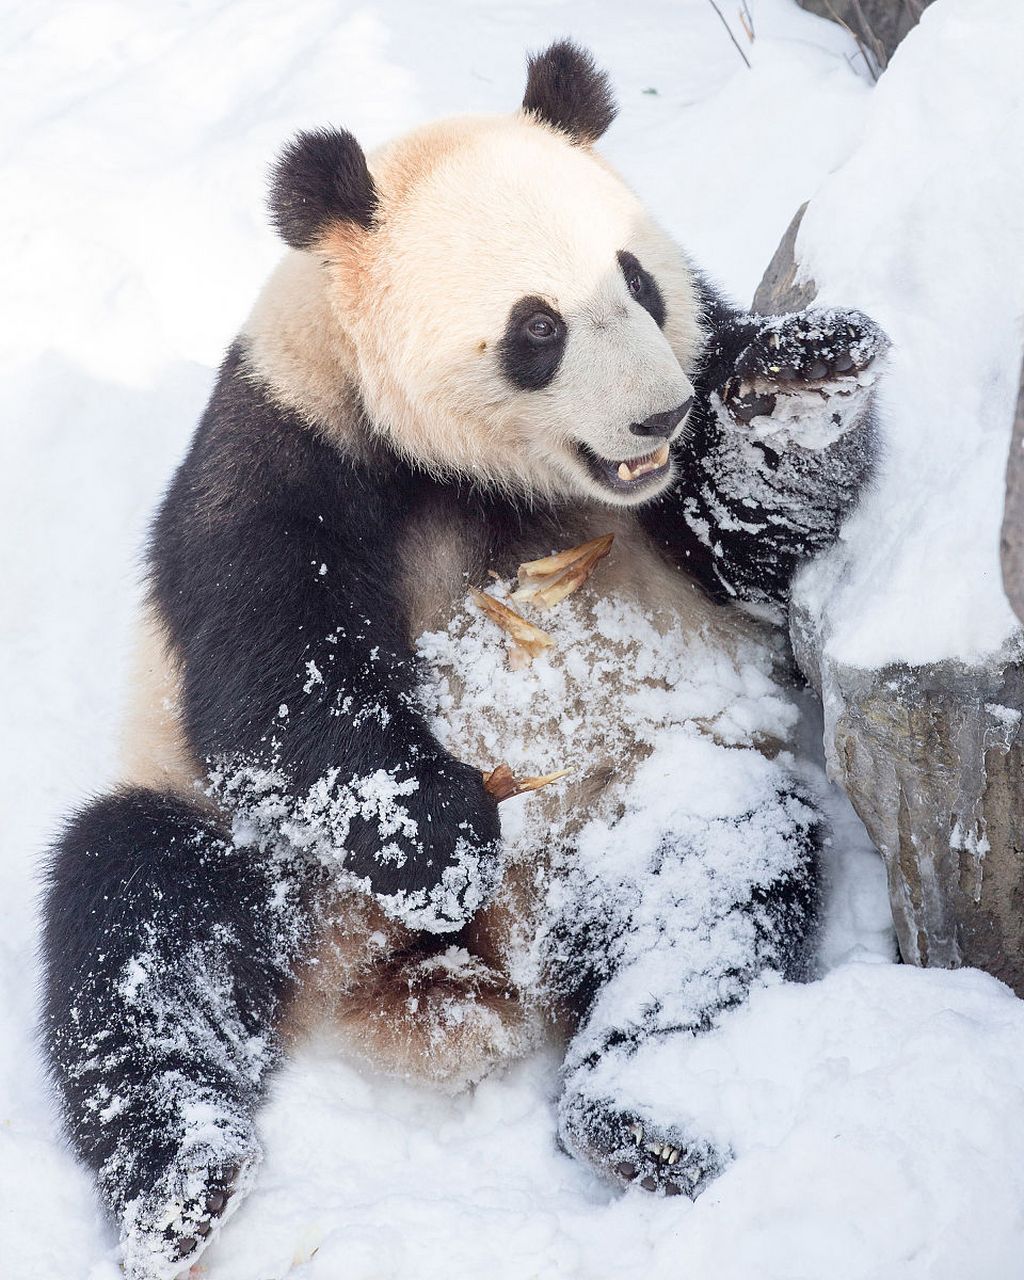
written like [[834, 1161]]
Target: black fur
[[321, 177], [782, 916], [530, 363], [642, 286], [592, 939], [565, 89], [267, 532], [742, 523], [142, 879]]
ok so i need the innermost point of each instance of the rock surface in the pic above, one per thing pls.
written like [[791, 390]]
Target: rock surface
[[1012, 542], [932, 758], [779, 289], [879, 25], [931, 755]]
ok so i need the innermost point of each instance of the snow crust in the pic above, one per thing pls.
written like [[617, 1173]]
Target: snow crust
[[876, 1116], [923, 228]]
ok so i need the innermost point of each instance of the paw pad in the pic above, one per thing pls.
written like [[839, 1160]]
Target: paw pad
[[202, 1214], [818, 352], [166, 1230], [805, 378]]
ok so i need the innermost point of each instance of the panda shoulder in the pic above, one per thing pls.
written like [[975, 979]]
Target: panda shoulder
[[296, 352]]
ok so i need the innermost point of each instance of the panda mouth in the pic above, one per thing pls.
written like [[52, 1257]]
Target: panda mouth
[[626, 475]]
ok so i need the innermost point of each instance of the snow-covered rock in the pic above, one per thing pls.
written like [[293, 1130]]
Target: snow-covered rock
[[879, 25], [905, 627]]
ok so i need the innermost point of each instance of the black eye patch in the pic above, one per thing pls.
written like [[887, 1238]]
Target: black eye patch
[[532, 345], [642, 287]]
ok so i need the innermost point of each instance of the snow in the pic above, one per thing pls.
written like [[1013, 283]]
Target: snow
[[845, 1167], [936, 256], [875, 1116]]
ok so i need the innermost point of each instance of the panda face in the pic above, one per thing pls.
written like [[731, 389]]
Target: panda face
[[522, 319], [498, 299], [532, 350]]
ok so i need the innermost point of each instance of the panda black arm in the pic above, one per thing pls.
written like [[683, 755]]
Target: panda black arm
[[274, 569], [778, 446]]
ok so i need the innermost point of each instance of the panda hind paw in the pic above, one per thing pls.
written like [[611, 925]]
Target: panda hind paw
[[635, 1153], [165, 1233]]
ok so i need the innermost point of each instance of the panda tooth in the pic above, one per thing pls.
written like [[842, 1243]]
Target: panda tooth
[[624, 472]]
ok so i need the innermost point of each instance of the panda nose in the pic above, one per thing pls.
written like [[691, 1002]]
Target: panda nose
[[662, 424]]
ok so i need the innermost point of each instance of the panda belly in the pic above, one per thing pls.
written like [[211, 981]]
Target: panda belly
[[648, 696], [666, 713], [635, 654]]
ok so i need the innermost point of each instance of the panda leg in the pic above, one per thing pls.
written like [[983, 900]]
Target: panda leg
[[166, 960], [676, 983]]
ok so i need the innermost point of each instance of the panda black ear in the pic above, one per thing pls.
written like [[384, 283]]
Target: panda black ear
[[565, 89], [320, 178]]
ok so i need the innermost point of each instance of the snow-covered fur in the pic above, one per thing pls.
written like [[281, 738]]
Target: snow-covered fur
[[479, 351]]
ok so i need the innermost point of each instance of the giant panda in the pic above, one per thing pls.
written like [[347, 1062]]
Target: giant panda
[[479, 351]]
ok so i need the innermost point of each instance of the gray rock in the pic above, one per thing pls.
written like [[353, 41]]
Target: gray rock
[[1012, 544], [779, 290], [932, 758], [878, 25]]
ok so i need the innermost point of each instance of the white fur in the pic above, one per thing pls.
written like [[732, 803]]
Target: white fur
[[476, 214]]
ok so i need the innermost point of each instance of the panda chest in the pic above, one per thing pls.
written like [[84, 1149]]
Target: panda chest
[[620, 669]]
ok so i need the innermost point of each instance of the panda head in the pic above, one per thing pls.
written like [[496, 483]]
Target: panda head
[[509, 309]]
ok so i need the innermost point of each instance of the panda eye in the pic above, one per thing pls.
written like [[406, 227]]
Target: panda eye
[[532, 346], [541, 328], [642, 286]]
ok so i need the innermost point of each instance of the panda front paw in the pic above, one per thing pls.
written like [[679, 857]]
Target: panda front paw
[[439, 862], [807, 376]]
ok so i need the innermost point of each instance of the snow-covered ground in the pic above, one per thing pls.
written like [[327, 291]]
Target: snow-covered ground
[[877, 1116]]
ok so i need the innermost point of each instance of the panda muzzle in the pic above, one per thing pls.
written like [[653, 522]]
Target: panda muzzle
[[628, 474]]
